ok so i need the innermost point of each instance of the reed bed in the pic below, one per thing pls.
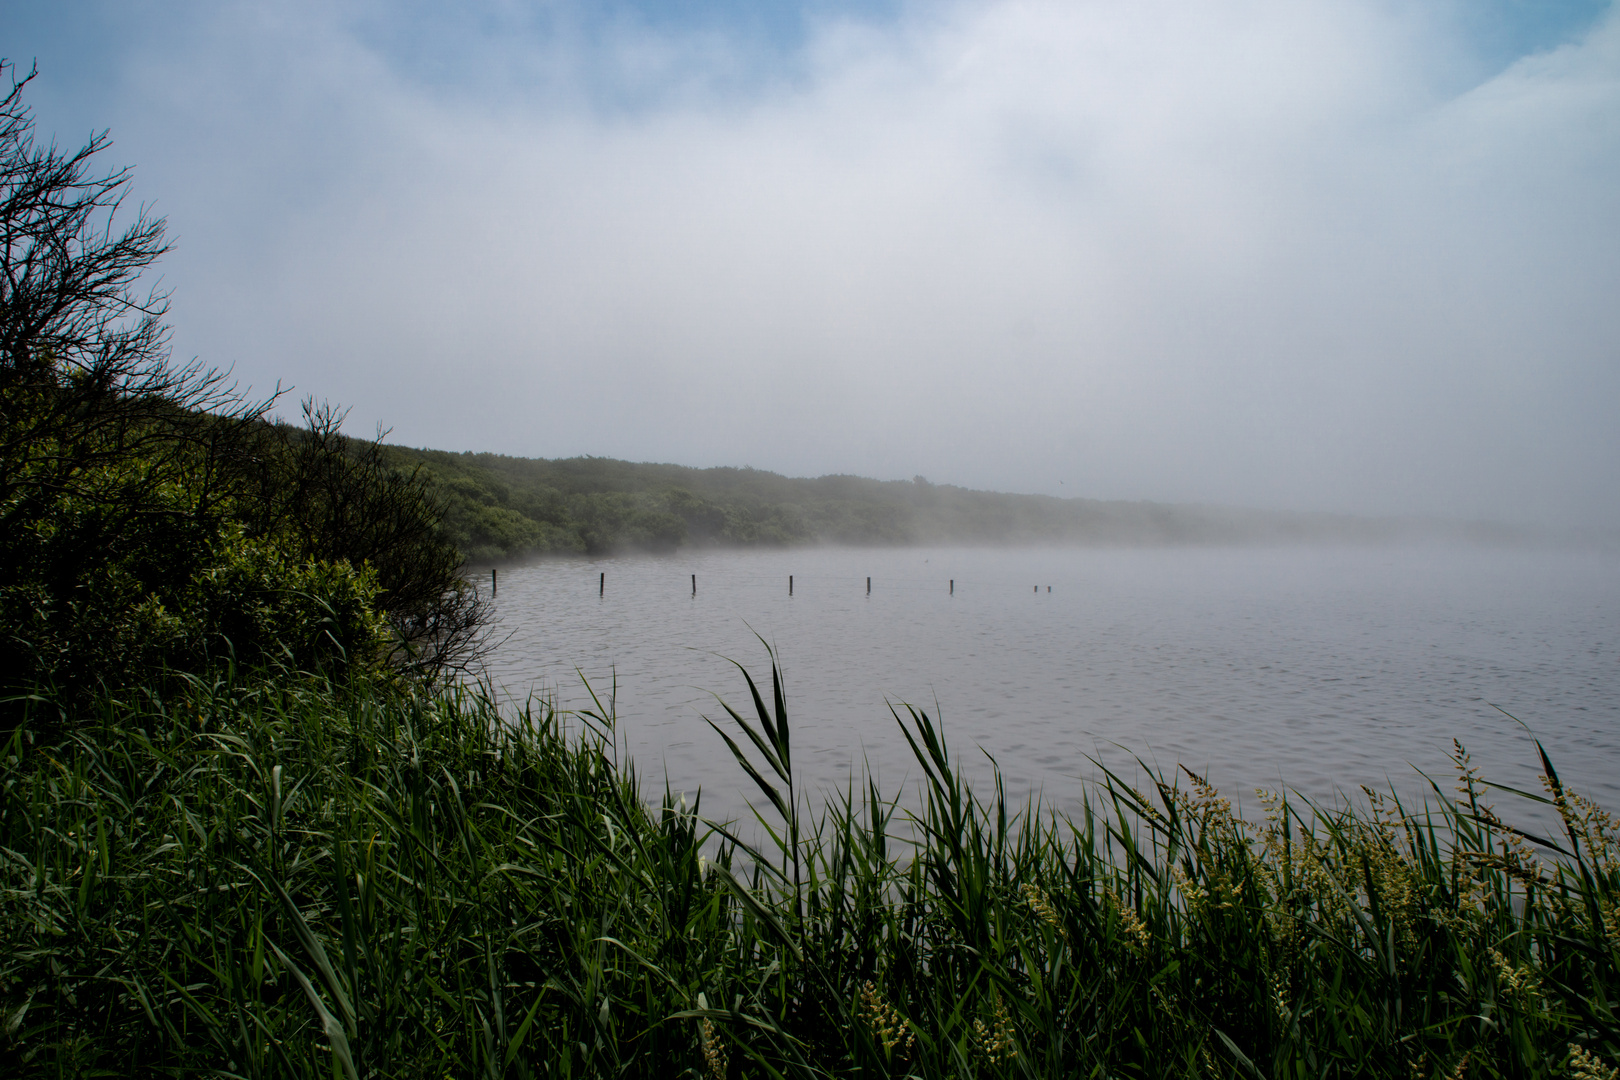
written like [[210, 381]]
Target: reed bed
[[289, 878]]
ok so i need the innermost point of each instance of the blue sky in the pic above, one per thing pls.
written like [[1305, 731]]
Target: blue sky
[[497, 48], [1342, 254]]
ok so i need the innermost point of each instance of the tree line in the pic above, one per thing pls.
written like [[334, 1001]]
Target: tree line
[[500, 508]]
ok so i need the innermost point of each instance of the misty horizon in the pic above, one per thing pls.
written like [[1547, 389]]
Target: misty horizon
[[1347, 257], [502, 510]]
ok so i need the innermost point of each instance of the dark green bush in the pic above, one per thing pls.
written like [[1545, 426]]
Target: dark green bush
[[266, 609]]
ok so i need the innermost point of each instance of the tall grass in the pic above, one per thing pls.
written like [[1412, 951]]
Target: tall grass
[[302, 880]]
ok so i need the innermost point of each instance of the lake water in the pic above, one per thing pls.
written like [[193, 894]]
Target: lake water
[[1316, 669]]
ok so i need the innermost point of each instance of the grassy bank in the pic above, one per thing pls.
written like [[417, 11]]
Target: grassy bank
[[307, 880]]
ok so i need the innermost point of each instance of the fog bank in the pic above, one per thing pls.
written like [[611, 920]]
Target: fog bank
[[1342, 256]]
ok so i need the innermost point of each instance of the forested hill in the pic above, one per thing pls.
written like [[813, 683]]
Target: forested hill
[[503, 508]]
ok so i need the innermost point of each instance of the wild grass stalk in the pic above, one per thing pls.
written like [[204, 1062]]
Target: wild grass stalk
[[290, 878]]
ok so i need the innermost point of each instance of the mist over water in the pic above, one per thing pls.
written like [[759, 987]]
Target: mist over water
[[1318, 669]]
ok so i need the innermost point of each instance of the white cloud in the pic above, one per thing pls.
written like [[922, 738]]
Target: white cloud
[[1253, 251]]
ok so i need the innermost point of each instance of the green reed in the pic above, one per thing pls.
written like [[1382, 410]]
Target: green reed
[[297, 879]]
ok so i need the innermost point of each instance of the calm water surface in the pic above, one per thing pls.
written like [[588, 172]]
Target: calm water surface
[[1315, 669]]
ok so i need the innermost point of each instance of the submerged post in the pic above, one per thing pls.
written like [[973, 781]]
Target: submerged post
[[492, 584], [601, 584], [868, 586], [790, 584], [953, 586], [694, 584]]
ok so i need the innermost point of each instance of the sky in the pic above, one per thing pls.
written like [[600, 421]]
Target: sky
[[1341, 255]]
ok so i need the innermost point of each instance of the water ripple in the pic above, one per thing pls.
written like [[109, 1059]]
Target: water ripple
[[1321, 669]]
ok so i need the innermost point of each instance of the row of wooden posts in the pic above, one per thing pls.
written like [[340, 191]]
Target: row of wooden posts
[[601, 584]]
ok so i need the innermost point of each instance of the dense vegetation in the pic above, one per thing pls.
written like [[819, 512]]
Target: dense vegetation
[[309, 879], [153, 520], [502, 508]]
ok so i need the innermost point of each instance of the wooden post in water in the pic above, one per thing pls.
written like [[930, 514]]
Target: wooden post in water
[[1037, 588], [694, 584], [790, 584], [601, 584], [492, 584], [868, 586], [953, 586]]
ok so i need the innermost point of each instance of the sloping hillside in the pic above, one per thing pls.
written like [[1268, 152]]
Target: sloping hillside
[[504, 508]]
